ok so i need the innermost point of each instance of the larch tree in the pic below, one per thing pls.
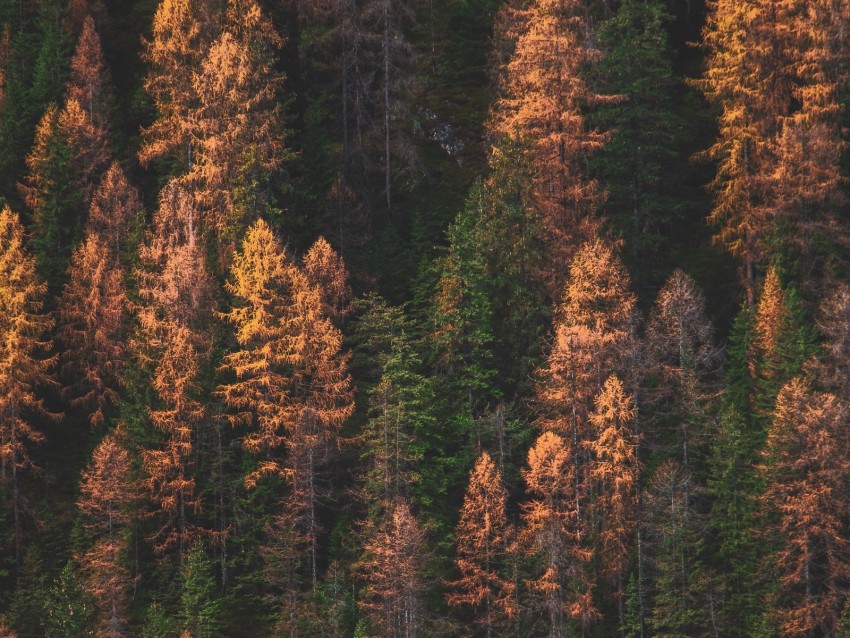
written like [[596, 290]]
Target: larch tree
[[259, 394], [484, 537], [89, 83], [594, 337], [23, 368], [391, 568], [116, 213], [291, 386], [176, 302], [326, 270], [806, 471], [180, 36], [93, 318], [236, 126], [615, 471], [542, 98], [107, 496], [747, 76], [552, 532], [685, 363]]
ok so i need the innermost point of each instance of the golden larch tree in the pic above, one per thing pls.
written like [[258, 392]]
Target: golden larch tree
[[392, 571], [483, 537], [89, 83], [543, 96], [93, 320], [806, 472], [553, 534], [594, 336], [176, 304], [23, 368], [108, 495], [615, 472], [116, 212], [325, 269]]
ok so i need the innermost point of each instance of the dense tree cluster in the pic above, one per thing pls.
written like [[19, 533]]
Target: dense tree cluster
[[403, 318]]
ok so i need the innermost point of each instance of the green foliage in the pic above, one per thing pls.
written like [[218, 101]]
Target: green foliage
[[200, 604], [157, 623], [68, 612], [641, 163]]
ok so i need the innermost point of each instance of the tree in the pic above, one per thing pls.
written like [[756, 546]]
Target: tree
[[116, 214], [23, 369], [325, 270], [483, 538], [553, 533], [107, 496], [806, 468], [783, 341], [593, 338], [615, 471], [200, 606], [392, 571], [639, 161], [685, 364], [68, 610], [542, 96], [292, 386], [678, 609], [93, 320], [237, 125], [89, 83], [180, 36], [260, 393], [172, 340]]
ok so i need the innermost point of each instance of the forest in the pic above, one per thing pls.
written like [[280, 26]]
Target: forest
[[425, 318]]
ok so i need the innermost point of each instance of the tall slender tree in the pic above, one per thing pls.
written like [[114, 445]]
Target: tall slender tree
[[23, 367]]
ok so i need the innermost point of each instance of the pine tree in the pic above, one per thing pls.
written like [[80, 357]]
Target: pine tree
[[483, 538], [326, 270], [23, 370], [639, 161], [200, 606], [69, 613]]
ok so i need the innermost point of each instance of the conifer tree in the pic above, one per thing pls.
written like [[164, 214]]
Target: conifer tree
[[23, 368], [483, 538], [553, 533], [93, 318], [107, 495], [176, 303], [806, 471], [638, 162], [542, 97], [68, 611], [116, 214], [89, 82], [200, 605], [326, 270], [392, 572], [593, 338], [260, 394], [685, 364], [615, 471]]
